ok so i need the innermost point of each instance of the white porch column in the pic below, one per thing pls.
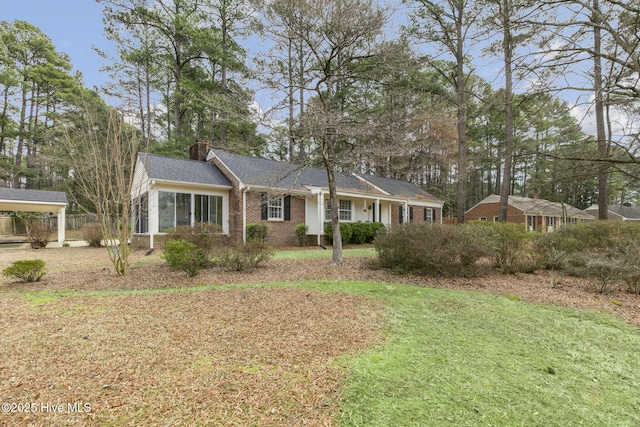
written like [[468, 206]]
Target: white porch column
[[406, 213], [62, 223], [378, 212], [320, 216]]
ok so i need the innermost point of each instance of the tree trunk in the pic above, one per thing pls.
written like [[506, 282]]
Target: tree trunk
[[603, 176], [508, 97], [462, 119], [336, 259]]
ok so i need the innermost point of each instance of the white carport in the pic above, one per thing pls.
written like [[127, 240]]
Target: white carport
[[18, 200]]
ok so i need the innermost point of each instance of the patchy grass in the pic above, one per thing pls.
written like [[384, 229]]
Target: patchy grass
[[464, 359], [155, 348], [312, 253]]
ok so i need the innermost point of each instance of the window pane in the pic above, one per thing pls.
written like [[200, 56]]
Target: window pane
[[183, 209], [345, 210], [141, 214], [215, 209], [275, 208], [166, 205]]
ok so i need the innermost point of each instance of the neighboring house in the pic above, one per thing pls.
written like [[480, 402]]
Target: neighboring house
[[18, 200], [537, 214], [623, 212], [233, 190]]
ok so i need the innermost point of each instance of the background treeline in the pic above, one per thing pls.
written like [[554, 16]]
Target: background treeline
[[464, 98]]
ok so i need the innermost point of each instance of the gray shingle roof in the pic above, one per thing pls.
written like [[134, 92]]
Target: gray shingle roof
[[39, 196], [285, 176], [400, 188], [182, 170], [627, 212], [540, 207]]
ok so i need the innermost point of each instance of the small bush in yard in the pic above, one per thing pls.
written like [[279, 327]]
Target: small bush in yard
[[301, 233], [244, 257], [257, 232], [184, 256], [364, 232], [428, 249], [29, 270], [345, 232], [206, 236], [92, 233], [506, 244]]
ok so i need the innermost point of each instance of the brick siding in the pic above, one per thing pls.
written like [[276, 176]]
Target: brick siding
[[489, 210], [279, 232]]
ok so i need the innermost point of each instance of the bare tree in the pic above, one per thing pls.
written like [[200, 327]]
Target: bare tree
[[341, 37], [102, 150]]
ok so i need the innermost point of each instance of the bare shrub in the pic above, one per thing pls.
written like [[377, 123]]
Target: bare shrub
[[506, 244], [244, 257], [427, 249], [92, 233], [603, 271], [206, 236]]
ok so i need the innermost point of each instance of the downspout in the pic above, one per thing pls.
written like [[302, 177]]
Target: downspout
[[320, 221], [157, 212], [244, 214]]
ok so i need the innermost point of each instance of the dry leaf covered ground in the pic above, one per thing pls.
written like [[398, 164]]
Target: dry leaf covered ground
[[227, 356]]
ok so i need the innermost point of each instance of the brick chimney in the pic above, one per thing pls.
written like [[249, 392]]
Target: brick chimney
[[199, 151]]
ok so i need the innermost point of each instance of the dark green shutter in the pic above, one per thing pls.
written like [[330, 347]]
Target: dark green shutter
[[287, 208], [264, 199]]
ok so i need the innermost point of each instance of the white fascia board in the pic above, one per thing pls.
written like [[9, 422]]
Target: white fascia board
[[156, 182]]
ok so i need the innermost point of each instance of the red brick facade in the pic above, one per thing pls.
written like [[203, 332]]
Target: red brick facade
[[279, 232], [490, 210], [413, 214]]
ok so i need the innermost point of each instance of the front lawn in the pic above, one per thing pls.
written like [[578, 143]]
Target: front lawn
[[283, 347]]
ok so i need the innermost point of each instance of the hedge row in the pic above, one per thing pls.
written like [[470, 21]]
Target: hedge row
[[356, 232]]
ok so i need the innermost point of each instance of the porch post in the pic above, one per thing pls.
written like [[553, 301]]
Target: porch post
[[378, 212], [62, 223], [320, 218]]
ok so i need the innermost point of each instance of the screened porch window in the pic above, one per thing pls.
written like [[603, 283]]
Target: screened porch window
[[208, 209], [141, 214], [174, 209]]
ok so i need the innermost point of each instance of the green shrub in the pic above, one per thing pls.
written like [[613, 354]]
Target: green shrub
[[28, 271], [374, 229], [244, 257], [506, 244], [184, 256], [92, 233], [257, 232], [301, 233], [345, 232], [427, 249]]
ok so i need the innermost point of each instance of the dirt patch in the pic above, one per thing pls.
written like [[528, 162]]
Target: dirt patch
[[264, 357], [85, 269]]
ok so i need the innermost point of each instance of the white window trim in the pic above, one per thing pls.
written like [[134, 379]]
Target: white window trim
[[327, 210], [279, 206]]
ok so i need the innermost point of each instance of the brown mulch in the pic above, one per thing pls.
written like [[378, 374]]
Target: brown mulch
[[151, 272], [227, 356]]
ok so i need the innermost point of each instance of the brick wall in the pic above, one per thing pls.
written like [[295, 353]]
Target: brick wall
[[279, 233], [418, 214], [489, 210]]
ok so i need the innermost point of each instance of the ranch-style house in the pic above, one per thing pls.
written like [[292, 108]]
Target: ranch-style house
[[234, 190], [538, 214]]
